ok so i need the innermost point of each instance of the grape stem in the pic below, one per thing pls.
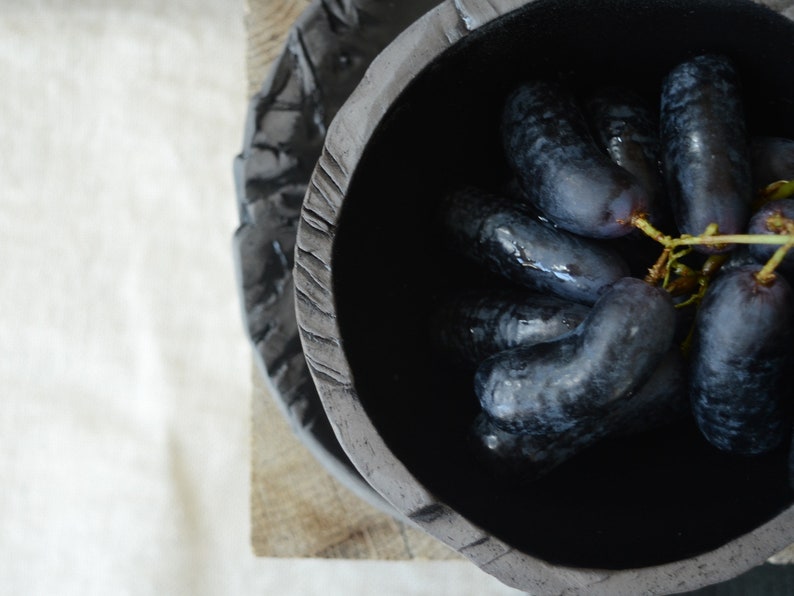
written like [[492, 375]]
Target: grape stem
[[765, 276], [767, 273], [732, 239], [782, 189], [659, 269], [642, 224]]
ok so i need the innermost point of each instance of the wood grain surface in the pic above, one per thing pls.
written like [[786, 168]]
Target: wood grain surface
[[267, 23]]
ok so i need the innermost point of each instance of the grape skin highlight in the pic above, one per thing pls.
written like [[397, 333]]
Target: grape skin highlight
[[510, 240], [480, 324], [625, 126], [739, 361], [705, 148], [561, 169], [521, 457], [552, 387]]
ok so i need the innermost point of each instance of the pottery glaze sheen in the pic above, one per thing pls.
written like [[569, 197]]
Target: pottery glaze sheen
[[662, 514]]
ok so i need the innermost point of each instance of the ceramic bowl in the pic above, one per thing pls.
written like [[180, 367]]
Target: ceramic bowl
[[661, 513], [326, 52]]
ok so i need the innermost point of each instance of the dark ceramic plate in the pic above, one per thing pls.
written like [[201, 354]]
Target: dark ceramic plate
[[326, 54]]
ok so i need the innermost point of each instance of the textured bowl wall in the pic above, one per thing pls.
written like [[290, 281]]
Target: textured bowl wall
[[657, 514]]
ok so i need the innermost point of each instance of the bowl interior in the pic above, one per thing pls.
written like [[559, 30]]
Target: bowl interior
[[626, 503]]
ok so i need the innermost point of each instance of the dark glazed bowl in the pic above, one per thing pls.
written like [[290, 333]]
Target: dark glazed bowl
[[662, 513]]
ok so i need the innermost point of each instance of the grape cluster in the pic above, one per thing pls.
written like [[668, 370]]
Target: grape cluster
[[614, 326]]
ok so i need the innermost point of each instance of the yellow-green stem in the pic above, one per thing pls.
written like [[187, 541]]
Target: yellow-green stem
[[767, 273], [649, 230], [642, 224], [783, 190], [779, 239]]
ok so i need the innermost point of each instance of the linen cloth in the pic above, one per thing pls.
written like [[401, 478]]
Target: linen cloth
[[124, 370]]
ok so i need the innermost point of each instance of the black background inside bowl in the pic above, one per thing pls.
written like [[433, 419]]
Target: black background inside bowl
[[626, 503]]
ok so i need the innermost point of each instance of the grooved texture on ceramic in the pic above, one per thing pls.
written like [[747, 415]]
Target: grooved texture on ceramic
[[324, 57], [299, 507]]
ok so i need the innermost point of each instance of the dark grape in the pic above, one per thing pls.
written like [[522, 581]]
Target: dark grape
[[761, 223], [740, 256], [662, 399], [479, 324], [510, 240], [627, 128], [704, 147], [561, 169], [739, 361], [520, 457], [554, 386], [771, 159]]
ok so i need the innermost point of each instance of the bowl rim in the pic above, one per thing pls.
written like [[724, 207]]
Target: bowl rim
[[265, 306], [348, 136]]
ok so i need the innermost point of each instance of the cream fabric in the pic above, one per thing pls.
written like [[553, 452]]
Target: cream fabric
[[124, 370]]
